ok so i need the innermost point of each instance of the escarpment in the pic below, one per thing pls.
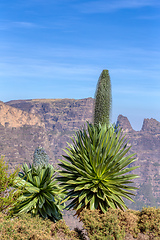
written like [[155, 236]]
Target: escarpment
[[49, 123]]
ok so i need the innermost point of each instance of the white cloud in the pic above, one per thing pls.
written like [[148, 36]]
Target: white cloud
[[21, 67], [70, 61], [137, 92], [24, 24], [8, 25], [114, 5], [151, 17], [63, 23]]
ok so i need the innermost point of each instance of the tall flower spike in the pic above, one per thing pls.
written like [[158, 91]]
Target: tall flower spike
[[40, 157], [103, 100]]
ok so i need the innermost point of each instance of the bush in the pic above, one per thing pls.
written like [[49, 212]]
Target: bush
[[115, 224], [149, 221], [7, 192], [102, 226], [128, 221], [26, 227]]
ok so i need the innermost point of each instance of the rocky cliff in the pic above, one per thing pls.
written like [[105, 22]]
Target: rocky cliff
[[26, 124], [62, 117], [13, 117], [146, 143]]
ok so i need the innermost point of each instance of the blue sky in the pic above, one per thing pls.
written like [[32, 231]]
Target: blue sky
[[58, 48]]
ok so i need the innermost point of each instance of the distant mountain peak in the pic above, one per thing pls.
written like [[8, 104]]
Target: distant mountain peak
[[151, 125], [124, 123]]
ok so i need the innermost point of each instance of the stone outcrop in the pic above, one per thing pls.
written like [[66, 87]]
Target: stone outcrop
[[124, 123], [151, 125]]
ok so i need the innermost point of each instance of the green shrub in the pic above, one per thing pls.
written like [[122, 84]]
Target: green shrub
[[149, 221], [115, 223], [128, 220], [102, 226], [8, 195], [26, 227]]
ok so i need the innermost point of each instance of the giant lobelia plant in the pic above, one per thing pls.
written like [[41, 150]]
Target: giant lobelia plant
[[95, 173], [40, 193]]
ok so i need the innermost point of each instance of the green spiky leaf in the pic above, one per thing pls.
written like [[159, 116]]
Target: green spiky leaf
[[40, 193], [95, 174]]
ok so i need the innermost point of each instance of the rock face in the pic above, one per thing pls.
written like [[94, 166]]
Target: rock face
[[58, 114], [146, 144], [49, 123], [20, 133], [13, 117], [45, 123]]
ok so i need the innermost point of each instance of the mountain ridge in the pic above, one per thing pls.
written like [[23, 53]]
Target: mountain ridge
[[45, 100], [60, 119]]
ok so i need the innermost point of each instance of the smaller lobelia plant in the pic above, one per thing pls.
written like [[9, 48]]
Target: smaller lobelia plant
[[40, 192]]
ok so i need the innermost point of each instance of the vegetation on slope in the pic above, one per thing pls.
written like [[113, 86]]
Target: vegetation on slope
[[8, 196], [116, 224], [113, 225], [25, 227]]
